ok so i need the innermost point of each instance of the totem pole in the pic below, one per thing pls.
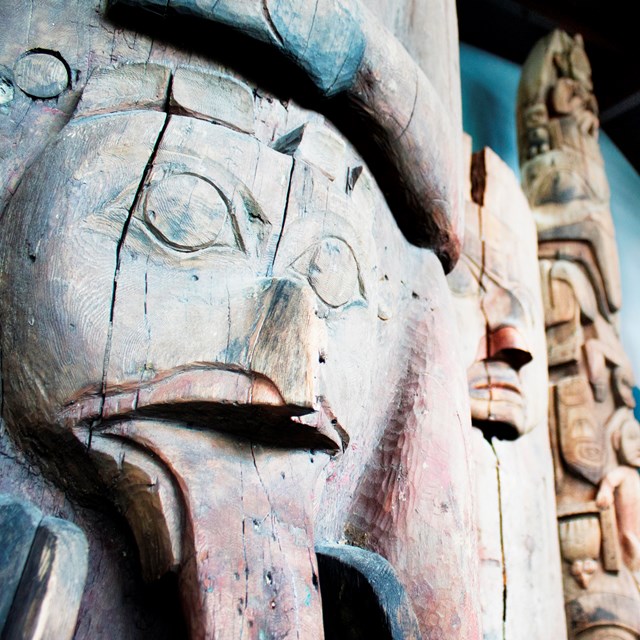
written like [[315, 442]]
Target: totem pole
[[228, 331], [593, 432], [496, 293]]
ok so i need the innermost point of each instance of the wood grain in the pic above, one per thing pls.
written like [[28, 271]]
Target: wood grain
[[47, 600], [225, 325]]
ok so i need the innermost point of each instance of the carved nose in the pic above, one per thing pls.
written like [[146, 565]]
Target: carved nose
[[508, 345], [506, 328], [287, 340]]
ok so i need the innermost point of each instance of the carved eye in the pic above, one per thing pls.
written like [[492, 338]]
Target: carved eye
[[189, 213], [332, 271], [464, 279]]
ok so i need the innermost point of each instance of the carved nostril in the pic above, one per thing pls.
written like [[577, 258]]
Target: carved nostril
[[508, 345]]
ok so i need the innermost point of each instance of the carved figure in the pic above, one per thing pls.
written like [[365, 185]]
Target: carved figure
[[499, 310], [590, 377], [495, 292], [212, 320], [620, 488]]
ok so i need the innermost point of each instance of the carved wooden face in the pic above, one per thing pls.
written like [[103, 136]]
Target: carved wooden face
[[627, 442], [494, 343], [500, 322], [593, 397], [182, 270]]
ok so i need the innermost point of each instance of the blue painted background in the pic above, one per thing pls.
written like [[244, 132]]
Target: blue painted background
[[489, 87]]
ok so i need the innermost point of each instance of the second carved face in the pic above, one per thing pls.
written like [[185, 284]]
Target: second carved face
[[497, 302]]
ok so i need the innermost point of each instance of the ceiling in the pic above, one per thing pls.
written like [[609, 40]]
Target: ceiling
[[510, 28]]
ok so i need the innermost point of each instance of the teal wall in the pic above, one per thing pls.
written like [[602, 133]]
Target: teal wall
[[489, 87]]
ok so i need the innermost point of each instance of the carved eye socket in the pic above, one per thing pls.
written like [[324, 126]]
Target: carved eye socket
[[332, 271], [188, 213], [463, 280]]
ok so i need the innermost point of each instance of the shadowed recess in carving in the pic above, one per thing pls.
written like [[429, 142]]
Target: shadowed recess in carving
[[362, 597]]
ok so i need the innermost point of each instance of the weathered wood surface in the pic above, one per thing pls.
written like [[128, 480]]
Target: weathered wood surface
[[347, 52], [593, 432], [498, 305], [43, 567], [180, 355], [533, 604], [493, 577], [46, 602]]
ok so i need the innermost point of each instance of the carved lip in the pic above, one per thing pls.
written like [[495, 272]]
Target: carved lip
[[487, 385], [214, 397], [498, 402], [495, 382]]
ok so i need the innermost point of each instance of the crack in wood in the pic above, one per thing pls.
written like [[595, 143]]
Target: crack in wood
[[121, 241], [270, 23], [502, 545], [284, 217]]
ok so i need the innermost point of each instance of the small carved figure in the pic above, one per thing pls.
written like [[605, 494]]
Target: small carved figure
[[620, 488]]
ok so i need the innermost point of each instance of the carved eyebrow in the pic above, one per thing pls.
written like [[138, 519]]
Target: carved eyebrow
[[488, 272]]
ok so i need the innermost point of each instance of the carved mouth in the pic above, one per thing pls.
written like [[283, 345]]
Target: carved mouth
[[498, 402], [496, 383], [211, 397], [486, 387]]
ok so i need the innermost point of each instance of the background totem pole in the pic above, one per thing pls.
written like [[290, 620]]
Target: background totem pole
[[496, 293], [595, 438]]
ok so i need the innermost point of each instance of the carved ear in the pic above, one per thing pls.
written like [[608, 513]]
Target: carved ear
[[558, 62], [616, 439], [579, 41]]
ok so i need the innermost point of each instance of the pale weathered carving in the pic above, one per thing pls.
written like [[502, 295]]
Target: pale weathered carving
[[499, 310], [212, 321], [620, 487], [495, 290], [591, 423]]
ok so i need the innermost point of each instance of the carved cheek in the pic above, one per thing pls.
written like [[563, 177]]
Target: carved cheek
[[70, 213], [467, 305]]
